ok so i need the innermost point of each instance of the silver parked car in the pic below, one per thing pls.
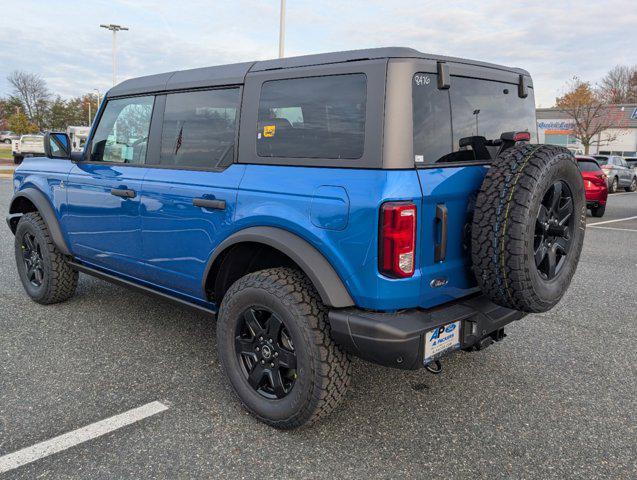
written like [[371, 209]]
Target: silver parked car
[[619, 173], [6, 136]]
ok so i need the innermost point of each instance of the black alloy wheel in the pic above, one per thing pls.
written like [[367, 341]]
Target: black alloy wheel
[[553, 230], [265, 353], [32, 258]]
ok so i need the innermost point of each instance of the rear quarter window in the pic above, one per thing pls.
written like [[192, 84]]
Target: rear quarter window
[[313, 117]]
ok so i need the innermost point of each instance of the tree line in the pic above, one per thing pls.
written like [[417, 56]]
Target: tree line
[[32, 108], [596, 110]]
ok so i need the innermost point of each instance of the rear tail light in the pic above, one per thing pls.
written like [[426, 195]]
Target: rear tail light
[[606, 167], [599, 180], [522, 137], [397, 239]]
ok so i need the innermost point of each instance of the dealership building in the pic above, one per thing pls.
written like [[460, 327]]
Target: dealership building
[[556, 128]]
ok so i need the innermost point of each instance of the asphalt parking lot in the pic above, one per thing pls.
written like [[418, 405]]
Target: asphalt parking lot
[[556, 399]]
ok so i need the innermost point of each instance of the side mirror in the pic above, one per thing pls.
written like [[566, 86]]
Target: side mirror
[[57, 145]]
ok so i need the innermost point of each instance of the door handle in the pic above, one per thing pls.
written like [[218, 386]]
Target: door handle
[[440, 249], [122, 192], [209, 203]]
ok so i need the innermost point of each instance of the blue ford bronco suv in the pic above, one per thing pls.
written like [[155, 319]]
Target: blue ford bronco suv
[[383, 203]]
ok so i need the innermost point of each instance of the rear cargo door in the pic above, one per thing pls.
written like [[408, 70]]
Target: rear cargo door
[[456, 131]]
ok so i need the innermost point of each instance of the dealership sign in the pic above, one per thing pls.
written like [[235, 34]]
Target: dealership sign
[[556, 127]]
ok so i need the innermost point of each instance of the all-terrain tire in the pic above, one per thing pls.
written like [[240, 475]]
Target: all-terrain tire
[[505, 226], [323, 369], [598, 211], [59, 280]]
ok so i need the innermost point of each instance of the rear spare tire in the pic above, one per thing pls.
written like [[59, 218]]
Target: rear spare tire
[[528, 227]]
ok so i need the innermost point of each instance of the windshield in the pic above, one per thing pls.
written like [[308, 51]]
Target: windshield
[[465, 122]]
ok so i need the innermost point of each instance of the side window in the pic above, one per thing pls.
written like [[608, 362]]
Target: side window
[[122, 133], [199, 128], [432, 119], [314, 117]]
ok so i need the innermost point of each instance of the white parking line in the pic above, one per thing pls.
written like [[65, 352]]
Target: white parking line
[[611, 221], [624, 193], [75, 437], [613, 228]]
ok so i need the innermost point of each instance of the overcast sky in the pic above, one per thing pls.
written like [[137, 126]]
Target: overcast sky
[[554, 40]]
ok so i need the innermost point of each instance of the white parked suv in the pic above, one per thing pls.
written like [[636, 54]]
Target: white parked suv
[[27, 146]]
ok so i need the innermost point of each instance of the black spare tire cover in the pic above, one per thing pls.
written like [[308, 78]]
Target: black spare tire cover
[[528, 227]]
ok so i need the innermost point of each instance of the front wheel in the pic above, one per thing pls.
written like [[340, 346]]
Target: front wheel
[[44, 272], [614, 185], [275, 347], [7, 140]]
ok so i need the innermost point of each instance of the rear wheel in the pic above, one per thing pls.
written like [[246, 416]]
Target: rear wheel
[[633, 185], [598, 211], [44, 273], [275, 346], [614, 185], [7, 140], [528, 227]]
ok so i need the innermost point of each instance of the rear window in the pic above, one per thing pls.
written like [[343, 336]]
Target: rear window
[[464, 123], [601, 159], [315, 117], [588, 165]]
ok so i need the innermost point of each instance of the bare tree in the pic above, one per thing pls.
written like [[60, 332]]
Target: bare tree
[[619, 85], [31, 89], [595, 123]]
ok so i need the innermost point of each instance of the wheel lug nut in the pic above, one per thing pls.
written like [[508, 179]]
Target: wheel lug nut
[[276, 354], [262, 362], [272, 364], [270, 340], [261, 339], [257, 349]]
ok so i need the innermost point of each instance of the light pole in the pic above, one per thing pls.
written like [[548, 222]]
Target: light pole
[[476, 112], [282, 30], [114, 28]]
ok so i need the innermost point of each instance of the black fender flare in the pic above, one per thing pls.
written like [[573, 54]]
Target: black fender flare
[[313, 263], [44, 208]]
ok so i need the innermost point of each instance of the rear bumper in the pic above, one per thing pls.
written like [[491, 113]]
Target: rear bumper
[[596, 197], [397, 339]]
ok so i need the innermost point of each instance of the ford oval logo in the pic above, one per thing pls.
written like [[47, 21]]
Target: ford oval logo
[[438, 282]]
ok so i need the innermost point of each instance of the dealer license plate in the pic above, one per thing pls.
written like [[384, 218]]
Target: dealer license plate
[[441, 340]]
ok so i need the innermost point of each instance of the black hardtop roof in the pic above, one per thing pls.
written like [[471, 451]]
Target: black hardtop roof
[[234, 74]]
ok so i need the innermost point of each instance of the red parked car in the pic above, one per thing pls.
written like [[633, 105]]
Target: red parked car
[[594, 184]]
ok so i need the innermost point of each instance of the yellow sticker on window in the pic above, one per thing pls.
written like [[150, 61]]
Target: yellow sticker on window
[[269, 130]]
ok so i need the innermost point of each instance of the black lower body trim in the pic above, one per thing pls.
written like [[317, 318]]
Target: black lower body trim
[[397, 339], [143, 288]]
